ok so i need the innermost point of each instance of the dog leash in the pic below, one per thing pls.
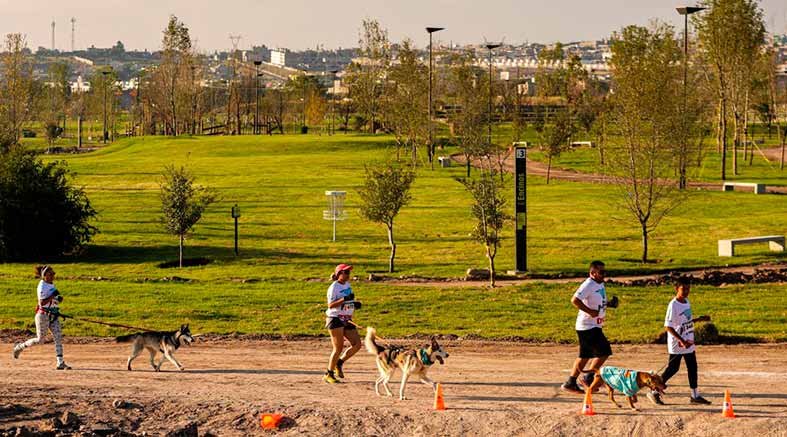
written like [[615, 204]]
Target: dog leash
[[98, 322]]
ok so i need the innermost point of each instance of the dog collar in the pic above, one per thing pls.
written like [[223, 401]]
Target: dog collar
[[425, 358]]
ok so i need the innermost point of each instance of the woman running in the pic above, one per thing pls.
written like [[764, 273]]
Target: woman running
[[47, 316], [341, 305]]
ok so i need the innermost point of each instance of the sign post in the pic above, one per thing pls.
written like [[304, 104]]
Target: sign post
[[236, 216], [520, 206]]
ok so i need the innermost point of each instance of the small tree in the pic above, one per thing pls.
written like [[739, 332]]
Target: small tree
[[53, 132], [554, 137], [385, 191], [489, 211], [182, 203]]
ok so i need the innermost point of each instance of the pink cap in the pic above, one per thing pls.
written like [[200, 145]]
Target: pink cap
[[342, 267]]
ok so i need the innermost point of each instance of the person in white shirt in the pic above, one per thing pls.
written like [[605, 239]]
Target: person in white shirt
[[338, 321], [590, 299], [679, 325], [47, 316]]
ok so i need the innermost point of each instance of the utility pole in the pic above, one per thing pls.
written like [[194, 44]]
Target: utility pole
[[105, 75], [683, 158], [73, 32], [430, 31], [257, 97], [53, 35], [490, 47]]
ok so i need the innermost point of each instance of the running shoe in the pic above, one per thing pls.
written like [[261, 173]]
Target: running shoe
[[338, 370], [700, 400], [17, 350], [572, 387], [655, 397], [63, 366], [585, 380], [330, 379]]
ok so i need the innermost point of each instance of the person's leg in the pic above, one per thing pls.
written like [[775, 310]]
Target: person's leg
[[579, 366], [42, 324], [337, 343], [673, 365], [57, 334], [691, 367], [355, 344]]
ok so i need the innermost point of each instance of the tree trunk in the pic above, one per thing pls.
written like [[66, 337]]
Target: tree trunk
[[549, 168], [736, 138], [723, 135], [491, 259], [783, 135], [180, 254], [644, 243], [393, 249], [467, 158]]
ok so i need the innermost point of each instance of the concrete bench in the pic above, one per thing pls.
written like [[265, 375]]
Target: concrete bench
[[730, 186], [582, 143], [775, 243], [445, 161]]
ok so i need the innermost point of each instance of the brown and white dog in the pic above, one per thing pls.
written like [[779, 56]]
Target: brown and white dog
[[413, 362], [627, 381]]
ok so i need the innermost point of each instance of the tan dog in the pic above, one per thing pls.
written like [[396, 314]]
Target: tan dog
[[413, 362], [628, 382]]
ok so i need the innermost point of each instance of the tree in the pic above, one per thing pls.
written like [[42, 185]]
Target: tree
[[41, 214], [53, 132], [16, 89], [385, 191], [365, 77], [182, 203], [488, 209], [731, 34], [173, 77], [468, 89], [647, 104], [555, 136], [405, 111]]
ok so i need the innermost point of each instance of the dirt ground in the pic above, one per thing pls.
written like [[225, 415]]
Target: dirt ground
[[491, 388]]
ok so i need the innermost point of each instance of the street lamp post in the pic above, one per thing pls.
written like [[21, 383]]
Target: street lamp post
[[431, 149], [331, 121], [682, 158], [490, 47], [105, 73], [257, 97]]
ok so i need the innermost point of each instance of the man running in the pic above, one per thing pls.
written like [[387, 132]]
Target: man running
[[591, 301]]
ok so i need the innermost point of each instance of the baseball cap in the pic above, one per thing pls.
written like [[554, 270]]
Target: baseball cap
[[342, 267]]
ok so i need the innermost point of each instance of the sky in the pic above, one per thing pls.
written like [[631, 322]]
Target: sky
[[299, 24]]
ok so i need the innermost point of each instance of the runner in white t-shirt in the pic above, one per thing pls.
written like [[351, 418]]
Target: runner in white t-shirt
[[47, 316], [341, 306], [591, 301], [679, 324]]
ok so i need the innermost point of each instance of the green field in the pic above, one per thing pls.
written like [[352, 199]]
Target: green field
[[279, 183]]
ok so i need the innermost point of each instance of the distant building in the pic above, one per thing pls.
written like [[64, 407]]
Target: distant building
[[80, 86], [278, 57]]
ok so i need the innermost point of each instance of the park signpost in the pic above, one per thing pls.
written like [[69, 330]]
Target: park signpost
[[236, 216], [520, 205]]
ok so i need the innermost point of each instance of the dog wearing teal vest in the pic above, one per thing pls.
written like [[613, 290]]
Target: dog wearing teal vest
[[626, 381]]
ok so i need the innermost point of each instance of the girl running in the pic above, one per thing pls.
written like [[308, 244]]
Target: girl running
[[341, 305], [47, 313]]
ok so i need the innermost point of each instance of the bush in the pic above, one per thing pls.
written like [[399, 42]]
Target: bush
[[41, 214]]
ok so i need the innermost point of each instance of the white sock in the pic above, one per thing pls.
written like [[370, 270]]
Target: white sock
[[60, 361], [695, 393]]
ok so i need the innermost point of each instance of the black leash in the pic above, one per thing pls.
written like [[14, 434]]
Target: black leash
[[97, 322]]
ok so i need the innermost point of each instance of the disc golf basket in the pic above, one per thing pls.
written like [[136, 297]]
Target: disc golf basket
[[335, 211]]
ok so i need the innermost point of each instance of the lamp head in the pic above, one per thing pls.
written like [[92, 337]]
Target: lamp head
[[434, 29], [688, 10]]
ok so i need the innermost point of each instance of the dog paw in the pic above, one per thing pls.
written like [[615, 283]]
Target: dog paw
[[635, 409], [181, 368]]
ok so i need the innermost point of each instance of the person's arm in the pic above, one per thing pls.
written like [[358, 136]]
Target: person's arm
[[582, 307], [681, 342], [336, 303], [701, 319]]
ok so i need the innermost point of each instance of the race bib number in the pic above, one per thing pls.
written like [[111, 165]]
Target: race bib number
[[599, 321]]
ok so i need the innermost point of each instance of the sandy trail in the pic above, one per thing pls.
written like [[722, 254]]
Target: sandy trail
[[492, 388]]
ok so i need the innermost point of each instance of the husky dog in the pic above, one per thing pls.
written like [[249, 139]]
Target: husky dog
[[166, 342], [413, 362]]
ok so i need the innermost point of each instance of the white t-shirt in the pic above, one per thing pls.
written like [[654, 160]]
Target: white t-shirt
[[594, 296], [337, 291], [45, 290], [680, 319]]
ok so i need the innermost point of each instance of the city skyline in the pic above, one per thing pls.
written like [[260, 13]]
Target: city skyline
[[301, 24]]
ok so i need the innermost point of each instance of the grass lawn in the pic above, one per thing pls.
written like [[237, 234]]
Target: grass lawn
[[279, 183]]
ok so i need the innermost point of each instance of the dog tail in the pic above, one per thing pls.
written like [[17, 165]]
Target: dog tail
[[126, 338], [371, 346]]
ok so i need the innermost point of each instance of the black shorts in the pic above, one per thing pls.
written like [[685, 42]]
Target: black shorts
[[593, 344], [335, 322]]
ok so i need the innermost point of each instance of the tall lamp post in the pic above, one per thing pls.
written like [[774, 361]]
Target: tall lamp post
[[257, 97], [683, 159], [106, 74], [332, 119], [490, 47], [430, 31]]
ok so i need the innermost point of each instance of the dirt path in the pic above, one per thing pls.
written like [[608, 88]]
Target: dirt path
[[538, 168], [491, 388]]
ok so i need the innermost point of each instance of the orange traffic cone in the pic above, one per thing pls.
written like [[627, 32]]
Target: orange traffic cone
[[270, 421], [726, 411], [587, 405], [439, 401]]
